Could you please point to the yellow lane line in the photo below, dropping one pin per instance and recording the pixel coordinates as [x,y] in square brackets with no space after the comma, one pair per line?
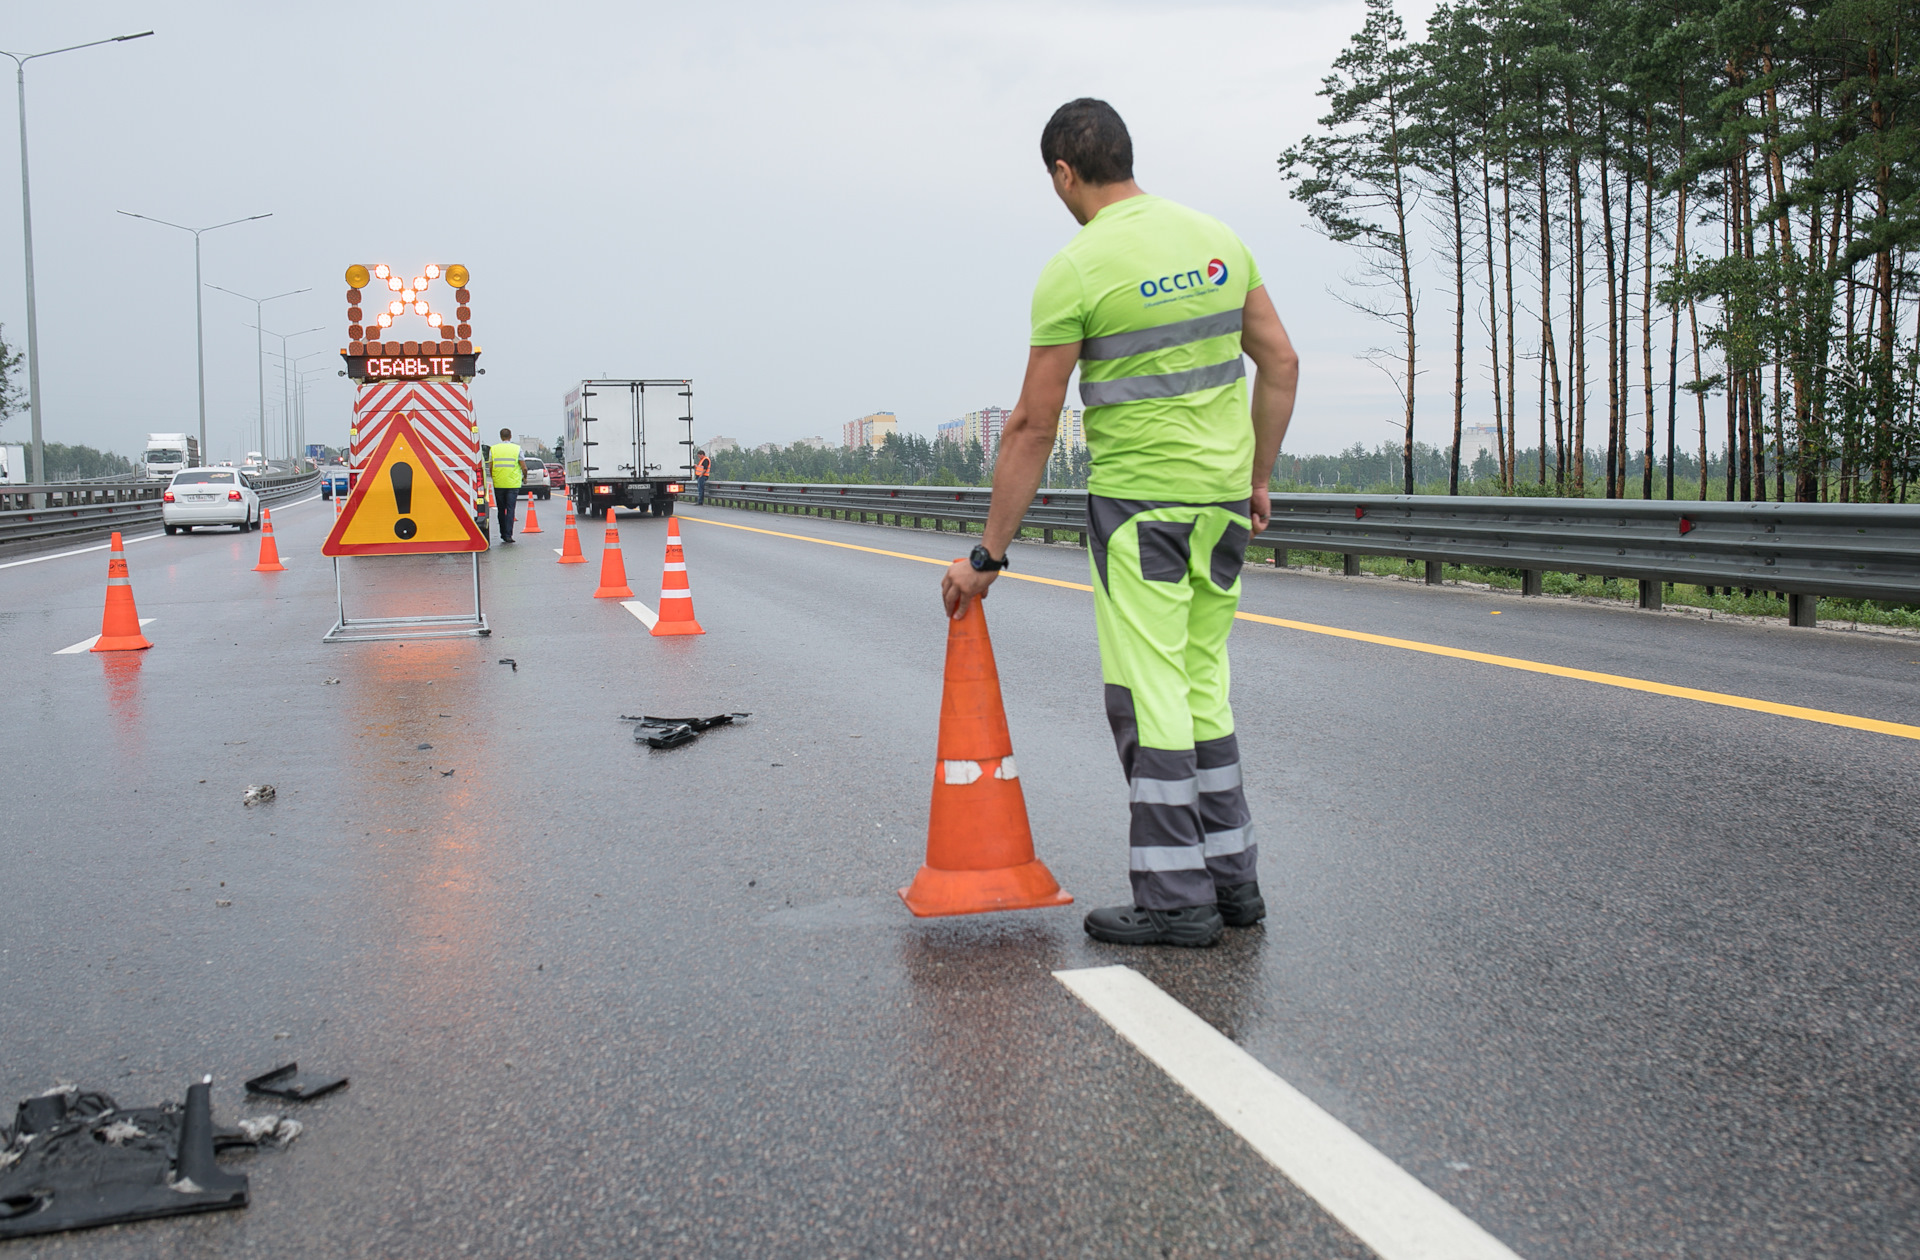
[1721,698]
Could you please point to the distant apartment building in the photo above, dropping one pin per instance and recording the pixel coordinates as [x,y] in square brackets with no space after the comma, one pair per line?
[869,430]
[1071,436]
[985,425]
[714,445]
[817,443]
[1475,438]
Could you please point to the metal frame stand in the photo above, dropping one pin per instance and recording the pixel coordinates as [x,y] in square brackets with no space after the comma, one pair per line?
[450,625]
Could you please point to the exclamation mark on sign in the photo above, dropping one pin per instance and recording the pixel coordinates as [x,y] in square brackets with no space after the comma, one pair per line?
[402,475]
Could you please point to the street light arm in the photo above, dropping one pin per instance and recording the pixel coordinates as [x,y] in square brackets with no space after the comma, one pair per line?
[23,58]
[162,222]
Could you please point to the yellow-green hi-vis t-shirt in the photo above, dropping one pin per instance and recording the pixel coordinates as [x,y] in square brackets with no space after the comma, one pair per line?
[1154,292]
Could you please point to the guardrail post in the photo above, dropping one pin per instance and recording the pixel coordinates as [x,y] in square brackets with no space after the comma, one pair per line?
[1046,535]
[1351,567]
[1652,593]
[1433,573]
[1803,610]
[1530,582]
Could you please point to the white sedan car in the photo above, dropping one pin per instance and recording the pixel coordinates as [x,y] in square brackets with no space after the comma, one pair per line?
[209,496]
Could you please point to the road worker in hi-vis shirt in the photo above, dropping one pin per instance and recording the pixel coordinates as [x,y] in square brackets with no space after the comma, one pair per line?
[1155,304]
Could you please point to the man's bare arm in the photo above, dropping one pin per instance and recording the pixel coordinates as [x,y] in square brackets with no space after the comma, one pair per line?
[1026,444]
[1277,375]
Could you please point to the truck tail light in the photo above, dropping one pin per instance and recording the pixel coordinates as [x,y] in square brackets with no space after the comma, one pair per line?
[167,497]
[603,489]
[233,496]
[674,487]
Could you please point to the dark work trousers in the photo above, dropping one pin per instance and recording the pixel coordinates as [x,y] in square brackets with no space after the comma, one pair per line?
[508,502]
[701,486]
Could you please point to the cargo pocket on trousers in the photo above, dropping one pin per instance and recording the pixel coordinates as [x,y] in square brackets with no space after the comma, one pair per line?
[1165,548]
[1229,554]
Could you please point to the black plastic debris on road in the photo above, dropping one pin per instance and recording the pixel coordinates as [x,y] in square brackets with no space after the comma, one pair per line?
[288,1081]
[508,660]
[664,732]
[75,1159]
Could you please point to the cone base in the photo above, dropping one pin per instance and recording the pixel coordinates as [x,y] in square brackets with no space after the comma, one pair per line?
[532,529]
[275,567]
[616,592]
[676,627]
[1028,886]
[121,643]
[573,559]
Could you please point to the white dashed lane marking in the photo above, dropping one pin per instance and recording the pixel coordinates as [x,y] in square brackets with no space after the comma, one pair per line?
[641,611]
[1384,1205]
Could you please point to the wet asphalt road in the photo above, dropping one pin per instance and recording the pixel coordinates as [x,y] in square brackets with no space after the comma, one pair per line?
[1616,974]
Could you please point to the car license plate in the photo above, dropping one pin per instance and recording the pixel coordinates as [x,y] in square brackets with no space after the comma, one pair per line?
[200,498]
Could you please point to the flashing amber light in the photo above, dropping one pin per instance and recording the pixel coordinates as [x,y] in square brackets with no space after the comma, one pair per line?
[383,271]
[433,271]
[433,319]
[457,276]
[420,308]
[419,284]
[395,284]
[386,321]
[396,308]
[357,277]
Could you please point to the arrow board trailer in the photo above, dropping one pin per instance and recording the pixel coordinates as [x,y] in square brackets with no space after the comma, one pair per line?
[613,460]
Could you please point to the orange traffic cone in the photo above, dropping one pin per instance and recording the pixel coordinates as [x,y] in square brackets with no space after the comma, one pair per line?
[613,569]
[979,847]
[570,541]
[269,550]
[676,597]
[120,623]
[533,522]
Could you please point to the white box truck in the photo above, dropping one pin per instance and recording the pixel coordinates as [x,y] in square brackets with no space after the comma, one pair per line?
[13,465]
[168,453]
[609,461]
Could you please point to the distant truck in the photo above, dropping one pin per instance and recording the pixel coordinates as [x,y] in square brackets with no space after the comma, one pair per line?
[13,465]
[168,453]
[610,464]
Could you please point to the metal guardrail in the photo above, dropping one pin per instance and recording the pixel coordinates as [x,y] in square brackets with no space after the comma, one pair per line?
[75,509]
[1803,550]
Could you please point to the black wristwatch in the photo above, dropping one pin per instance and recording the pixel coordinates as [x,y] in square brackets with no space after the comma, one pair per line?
[982,560]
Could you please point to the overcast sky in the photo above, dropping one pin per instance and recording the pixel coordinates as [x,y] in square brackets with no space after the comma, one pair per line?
[813,210]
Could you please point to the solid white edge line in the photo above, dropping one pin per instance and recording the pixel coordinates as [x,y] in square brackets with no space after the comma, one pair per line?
[641,611]
[86,644]
[125,542]
[1384,1206]
[81,551]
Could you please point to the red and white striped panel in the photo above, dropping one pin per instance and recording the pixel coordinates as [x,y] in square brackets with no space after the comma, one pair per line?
[441,413]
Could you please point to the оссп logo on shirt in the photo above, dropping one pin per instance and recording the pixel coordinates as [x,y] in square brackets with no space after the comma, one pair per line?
[1216,274]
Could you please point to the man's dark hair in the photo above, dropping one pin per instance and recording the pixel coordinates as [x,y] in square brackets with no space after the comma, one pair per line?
[1088,136]
[506,434]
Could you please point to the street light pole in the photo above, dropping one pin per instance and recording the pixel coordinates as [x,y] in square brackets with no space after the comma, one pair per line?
[260,349]
[20,61]
[199,323]
[300,398]
[286,389]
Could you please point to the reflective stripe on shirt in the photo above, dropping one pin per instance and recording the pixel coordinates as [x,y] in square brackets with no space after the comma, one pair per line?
[1165,337]
[1167,385]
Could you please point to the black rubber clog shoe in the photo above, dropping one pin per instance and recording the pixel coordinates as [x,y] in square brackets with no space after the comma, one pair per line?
[1195,926]
[1241,905]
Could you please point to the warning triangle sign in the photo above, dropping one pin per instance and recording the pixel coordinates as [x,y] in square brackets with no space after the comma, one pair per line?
[402,505]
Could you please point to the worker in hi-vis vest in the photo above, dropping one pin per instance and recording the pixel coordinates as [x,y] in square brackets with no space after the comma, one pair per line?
[1155,304]
[702,469]
[504,470]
